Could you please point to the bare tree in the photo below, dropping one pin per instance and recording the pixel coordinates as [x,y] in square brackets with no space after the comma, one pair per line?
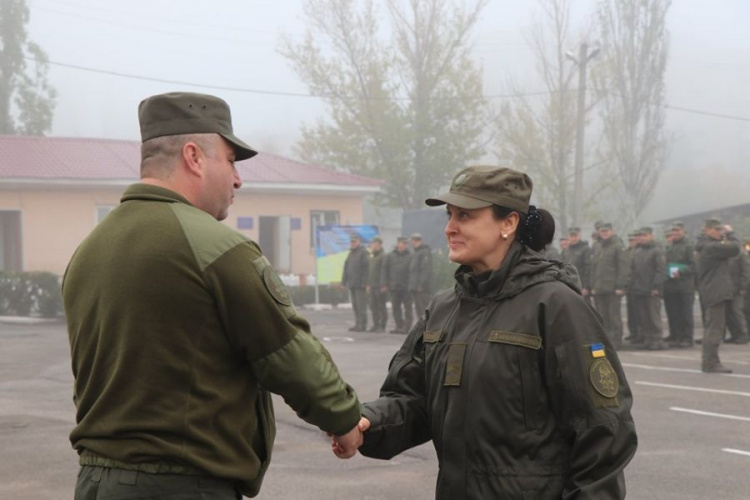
[407,107]
[630,84]
[537,134]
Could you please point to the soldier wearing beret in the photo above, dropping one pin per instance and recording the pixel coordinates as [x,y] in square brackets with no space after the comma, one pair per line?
[714,252]
[179,327]
[509,373]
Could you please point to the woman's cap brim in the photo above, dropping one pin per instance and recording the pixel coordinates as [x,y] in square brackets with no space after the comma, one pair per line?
[458,200]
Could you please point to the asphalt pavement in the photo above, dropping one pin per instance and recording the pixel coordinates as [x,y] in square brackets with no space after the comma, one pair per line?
[694,428]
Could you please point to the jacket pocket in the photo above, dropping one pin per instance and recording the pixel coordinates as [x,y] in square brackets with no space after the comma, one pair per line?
[525,355]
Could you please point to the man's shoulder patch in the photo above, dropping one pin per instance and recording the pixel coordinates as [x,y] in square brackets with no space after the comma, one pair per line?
[276,287]
[604,378]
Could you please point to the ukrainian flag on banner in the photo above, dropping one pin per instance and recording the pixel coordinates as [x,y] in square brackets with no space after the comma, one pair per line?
[332,247]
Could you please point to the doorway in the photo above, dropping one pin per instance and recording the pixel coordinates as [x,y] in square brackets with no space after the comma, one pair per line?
[275,239]
[10,241]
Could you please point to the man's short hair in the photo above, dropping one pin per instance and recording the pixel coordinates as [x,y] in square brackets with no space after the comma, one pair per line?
[158,155]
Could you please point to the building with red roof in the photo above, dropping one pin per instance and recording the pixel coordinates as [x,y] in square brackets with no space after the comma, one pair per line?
[54,190]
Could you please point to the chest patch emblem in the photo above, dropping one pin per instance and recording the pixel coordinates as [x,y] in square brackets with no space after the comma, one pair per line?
[604,378]
[276,287]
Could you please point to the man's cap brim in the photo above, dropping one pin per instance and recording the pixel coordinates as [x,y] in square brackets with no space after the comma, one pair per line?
[458,200]
[242,151]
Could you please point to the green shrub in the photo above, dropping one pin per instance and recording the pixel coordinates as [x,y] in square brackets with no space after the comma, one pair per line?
[22,294]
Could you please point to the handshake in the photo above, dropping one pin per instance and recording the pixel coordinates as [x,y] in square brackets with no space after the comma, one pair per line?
[346,446]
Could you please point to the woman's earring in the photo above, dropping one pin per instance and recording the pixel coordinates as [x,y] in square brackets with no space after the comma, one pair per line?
[505,236]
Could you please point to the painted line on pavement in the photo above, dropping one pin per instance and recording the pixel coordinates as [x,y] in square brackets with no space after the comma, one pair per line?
[737,452]
[693,388]
[666,356]
[337,339]
[710,414]
[682,370]
[685,358]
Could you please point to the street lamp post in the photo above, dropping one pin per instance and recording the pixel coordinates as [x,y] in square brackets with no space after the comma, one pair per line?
[582,61]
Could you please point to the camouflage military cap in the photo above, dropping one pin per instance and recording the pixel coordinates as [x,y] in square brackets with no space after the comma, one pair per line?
[679,224]
[402,239]
[355,237]
[598,224]
[377,239]
[713,223]
[179,113]
[483,186]
[639,232]
[415,236]
[647,230]
[605,225]
[632,235]
[574,230]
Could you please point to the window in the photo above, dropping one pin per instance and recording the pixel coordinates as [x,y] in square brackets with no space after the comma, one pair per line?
[321,218]
[102,211]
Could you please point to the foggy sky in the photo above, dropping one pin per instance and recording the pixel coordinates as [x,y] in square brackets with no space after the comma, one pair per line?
[232,43]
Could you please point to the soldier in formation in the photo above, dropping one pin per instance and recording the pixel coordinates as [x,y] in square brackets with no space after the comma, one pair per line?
[395,280]
[356,274]
[609,277]
[679,287]
[420,274]
[375,286]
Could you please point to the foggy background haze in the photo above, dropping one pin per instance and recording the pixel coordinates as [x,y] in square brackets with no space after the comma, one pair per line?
[228,44]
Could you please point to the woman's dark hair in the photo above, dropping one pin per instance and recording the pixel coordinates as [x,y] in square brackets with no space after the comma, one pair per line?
[536,229]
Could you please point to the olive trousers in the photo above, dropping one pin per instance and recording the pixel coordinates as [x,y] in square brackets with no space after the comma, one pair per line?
[713,333]
[120,484]
[609,306]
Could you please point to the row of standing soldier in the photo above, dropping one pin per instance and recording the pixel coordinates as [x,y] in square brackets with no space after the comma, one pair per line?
[405,276]
[646,273]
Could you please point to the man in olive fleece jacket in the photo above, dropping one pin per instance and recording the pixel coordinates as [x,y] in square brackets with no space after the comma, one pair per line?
[179,328]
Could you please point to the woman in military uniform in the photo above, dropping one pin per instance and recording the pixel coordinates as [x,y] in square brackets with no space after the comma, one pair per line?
[510,374]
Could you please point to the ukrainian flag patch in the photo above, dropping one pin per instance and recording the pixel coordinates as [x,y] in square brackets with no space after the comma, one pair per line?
[597,350]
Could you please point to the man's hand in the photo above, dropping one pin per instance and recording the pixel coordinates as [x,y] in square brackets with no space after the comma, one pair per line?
[346,446]
[619,292]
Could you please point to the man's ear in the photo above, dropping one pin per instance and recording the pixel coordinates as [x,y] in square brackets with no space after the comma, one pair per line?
[193,158]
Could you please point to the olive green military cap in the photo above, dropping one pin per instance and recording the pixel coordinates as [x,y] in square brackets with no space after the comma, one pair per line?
[713,223]
[605,225]
[402,239]
[415,236]
[678,223]
[574,230]
[377,239]
[639,232]
[179,113]
[484,186]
